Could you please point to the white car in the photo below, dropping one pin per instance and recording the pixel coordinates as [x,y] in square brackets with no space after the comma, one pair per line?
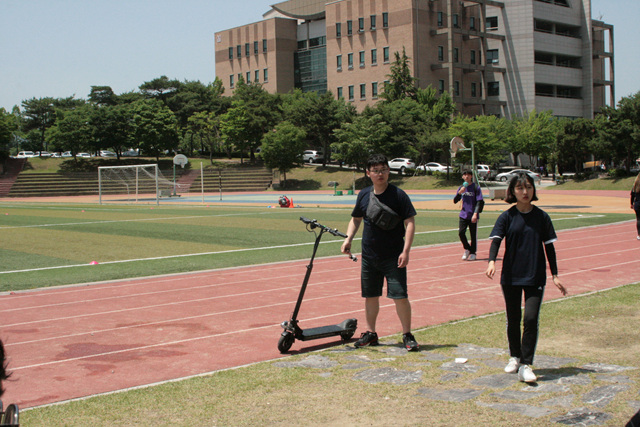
[107,153]
[84,155]
[506,176]
[67,154]
[485,173]
[25,154]
[436,167]
[312,156]
[401,164]
[131,153]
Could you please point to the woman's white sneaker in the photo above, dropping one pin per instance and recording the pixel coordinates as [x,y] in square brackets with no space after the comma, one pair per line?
[512,366]
[526,375]
[465,255]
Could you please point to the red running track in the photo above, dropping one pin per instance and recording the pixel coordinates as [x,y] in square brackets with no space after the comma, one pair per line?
[71,342]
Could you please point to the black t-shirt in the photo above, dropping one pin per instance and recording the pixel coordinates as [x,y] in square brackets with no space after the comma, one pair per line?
[379,244]
[526,234]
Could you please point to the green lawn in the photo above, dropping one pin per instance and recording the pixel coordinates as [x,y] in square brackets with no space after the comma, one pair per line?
[54,244]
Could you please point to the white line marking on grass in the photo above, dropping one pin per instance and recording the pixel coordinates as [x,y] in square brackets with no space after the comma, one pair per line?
[236,250]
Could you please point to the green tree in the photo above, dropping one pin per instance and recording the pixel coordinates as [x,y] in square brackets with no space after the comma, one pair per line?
[317,114]
[234,127]
[38,115]
[263,112]
[357,140]
[207,127]
[72,131]
[401,83]
[112,127]
[623,128]
[154,127]
[282,148]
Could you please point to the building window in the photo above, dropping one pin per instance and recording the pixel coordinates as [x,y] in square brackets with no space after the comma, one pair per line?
[265,75]
[256,75]
[247,49]
[492,22]
[472,22]
[456,20]
[340,92]
[230,53]
[374,56]
[339,62]
[351,95]
[350,60]
[361,58]
[473,57]
[441,53]
[385,19]
[349,28]
[239,51]
[264,45]
[255,48]
[493,56]
[374,90]
[231,83]
[363,91]
[248,76]
[338,29]
[473,90]
[440,87]
[239,76]
[440,19]
[361,25]
[493,89]
[455,54]
[385,55]
[372,19]
[456,88]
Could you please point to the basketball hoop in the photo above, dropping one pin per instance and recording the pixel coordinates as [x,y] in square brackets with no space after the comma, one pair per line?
[456,144]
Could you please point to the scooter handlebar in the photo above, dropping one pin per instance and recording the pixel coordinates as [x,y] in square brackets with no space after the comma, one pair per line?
[312,223]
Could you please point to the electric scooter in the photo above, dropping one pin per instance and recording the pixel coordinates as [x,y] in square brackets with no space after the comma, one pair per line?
[292,331]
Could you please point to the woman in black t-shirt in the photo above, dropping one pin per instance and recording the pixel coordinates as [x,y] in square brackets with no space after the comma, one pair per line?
[529,234]
[635,202]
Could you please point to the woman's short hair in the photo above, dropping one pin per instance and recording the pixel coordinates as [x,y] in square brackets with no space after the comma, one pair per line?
[521,179]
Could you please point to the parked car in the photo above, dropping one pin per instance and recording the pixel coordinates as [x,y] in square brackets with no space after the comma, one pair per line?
[67,154]
[435,167]
[84,155]
[485,173]
[312,156]
[506,176]
[43,154]
[25,154]
[131,153]
[107,153]
[401,164]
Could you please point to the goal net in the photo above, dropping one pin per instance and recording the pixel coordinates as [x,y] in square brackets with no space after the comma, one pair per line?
[135,183]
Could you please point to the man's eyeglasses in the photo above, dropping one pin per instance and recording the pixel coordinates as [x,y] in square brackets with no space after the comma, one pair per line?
[378,171]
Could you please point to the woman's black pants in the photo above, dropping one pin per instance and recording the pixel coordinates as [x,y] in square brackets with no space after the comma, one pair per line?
[523,345]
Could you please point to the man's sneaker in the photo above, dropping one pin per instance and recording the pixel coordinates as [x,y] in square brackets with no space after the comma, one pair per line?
[410,342]
[512,366]
[367,338]
[525,374]
[465,255]
[472,257]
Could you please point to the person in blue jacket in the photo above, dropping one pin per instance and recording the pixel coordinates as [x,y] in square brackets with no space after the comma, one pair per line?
[472,203]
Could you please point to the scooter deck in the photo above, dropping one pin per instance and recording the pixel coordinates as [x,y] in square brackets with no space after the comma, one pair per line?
[324,331]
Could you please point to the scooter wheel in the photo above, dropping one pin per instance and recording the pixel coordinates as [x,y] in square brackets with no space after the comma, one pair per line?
[285,342]
[346,336]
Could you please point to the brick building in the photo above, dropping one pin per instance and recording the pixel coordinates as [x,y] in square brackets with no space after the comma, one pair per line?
[504,58]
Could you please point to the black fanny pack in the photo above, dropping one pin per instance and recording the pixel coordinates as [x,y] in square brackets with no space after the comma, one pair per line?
[381,215]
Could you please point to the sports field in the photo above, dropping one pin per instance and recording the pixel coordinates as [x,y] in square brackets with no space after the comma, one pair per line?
[49,244]
[82,331]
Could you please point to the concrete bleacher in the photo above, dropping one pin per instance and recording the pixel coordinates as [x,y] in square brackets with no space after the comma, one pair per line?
[86,183]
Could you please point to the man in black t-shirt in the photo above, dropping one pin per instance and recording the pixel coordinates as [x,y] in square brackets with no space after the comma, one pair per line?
[385,252]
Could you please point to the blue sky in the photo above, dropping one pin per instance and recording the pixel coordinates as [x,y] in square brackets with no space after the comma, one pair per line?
[60,48]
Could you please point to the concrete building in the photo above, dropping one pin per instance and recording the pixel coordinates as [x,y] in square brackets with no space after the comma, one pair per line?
[504,58]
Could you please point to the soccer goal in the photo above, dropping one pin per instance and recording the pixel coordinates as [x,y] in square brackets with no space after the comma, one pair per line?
[134,183]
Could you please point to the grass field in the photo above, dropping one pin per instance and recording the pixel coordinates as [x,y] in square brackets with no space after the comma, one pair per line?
[54,244]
